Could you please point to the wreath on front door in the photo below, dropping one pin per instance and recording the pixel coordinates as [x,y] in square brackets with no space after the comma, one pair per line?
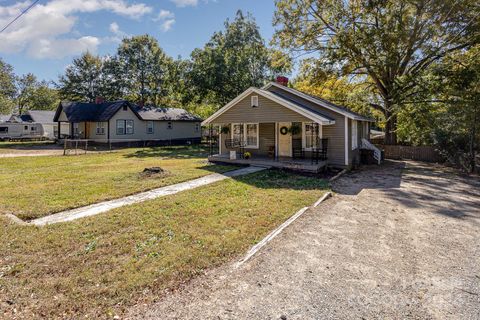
[283,130]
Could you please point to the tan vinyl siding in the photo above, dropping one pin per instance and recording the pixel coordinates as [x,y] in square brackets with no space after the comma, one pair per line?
[267,111]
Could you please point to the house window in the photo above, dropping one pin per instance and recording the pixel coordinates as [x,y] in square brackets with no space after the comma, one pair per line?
[197,127]
[129,126]
[237,131]
[169,125]
[251,134]
[247,132]
[3,129]
[150,127]
[124,127]
[311,134]
[125,108]
[100,128]
[354,135]
[75,128]
[33,128]
[254,101]
[120,127]
[25,128]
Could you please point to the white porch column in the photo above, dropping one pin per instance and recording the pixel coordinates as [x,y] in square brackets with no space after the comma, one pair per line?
[346,141]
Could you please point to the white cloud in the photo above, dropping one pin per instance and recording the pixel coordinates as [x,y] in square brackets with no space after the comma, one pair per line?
[167,25]
[185,3]
[164,14]
[167,19]
[114,28]
[47,30]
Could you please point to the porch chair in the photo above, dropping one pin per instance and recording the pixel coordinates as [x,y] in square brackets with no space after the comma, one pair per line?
[319,153]
[298,152]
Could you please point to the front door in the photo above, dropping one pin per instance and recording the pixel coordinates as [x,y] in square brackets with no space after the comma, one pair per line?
[284,140]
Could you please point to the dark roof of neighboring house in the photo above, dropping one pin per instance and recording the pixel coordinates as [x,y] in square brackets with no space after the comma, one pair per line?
[41,116]
[85,112]
[301,105]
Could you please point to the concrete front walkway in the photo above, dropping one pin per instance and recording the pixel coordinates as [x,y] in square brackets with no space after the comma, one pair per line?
[101,207]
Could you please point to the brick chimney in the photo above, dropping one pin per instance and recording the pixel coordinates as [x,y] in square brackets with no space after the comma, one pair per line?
[282,80]
[99,100]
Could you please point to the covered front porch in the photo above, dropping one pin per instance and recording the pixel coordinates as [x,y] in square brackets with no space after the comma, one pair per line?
[288,163]
[287,145]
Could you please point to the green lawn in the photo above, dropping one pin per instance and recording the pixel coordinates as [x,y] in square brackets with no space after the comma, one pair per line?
[32,187]
[97,267]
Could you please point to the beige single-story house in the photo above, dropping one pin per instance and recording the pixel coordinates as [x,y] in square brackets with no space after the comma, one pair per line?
[122,122]
[284,127]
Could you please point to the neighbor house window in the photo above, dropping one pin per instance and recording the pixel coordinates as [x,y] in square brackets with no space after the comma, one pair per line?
[124,127]
[149,127]
[100,128]
[247,132]
[169,125]
[3,129]
[33,128]
[120,127]
[25,128]
[254,101]
[354,135]
[75,128]
[129,126]
[311,133]
[197,127]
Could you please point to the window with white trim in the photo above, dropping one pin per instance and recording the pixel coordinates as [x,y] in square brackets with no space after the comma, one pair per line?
[246,132]
[254,101]
[237,131]
[354,135]
[251,135]
[124,127]
[149,127]
[129,126]
[311,132]
[100,128]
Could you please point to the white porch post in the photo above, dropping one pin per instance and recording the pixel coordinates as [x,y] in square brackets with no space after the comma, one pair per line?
[276,140]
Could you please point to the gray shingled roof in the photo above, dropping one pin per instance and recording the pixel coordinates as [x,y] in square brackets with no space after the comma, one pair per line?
[42,116]
[165,114]
[300,105]
[84,112]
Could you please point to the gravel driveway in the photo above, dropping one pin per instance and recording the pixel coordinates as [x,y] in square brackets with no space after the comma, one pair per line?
[400,241]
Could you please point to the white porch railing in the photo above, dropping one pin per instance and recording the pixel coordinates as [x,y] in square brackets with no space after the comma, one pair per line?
[377,154]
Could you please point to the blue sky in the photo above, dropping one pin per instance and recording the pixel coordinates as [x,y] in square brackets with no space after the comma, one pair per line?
[46,39]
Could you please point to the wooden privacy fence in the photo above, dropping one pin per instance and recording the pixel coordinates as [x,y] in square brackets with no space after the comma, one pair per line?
[421,153]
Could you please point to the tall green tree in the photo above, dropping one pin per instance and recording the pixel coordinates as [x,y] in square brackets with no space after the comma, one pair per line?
[145,68]
[233,60]
[7,87]
[390,42]
[457,89]
[83,79]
